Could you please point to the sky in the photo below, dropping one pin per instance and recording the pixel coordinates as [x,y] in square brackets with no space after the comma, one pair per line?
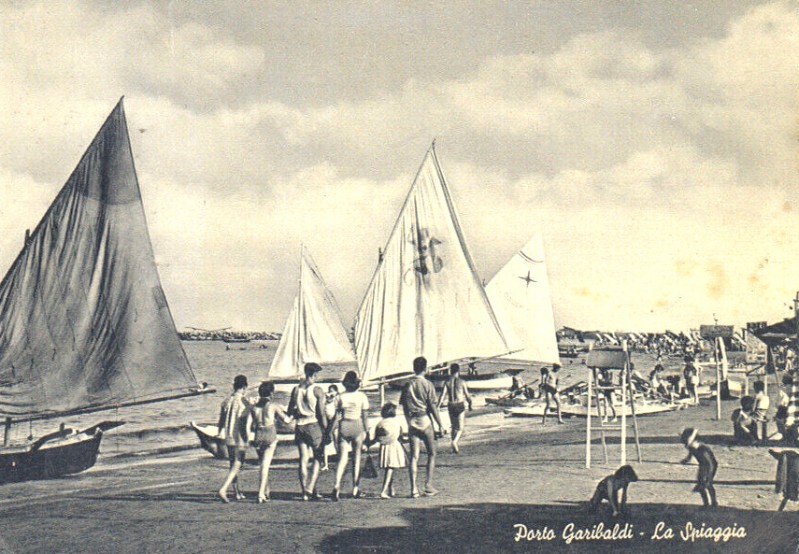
[653,143]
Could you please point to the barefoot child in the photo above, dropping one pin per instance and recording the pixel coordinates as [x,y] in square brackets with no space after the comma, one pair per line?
[707,465]
[331,402]
[609,487]
[265,433]
[392,454]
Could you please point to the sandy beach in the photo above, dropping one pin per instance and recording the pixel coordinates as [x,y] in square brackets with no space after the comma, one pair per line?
[510,473]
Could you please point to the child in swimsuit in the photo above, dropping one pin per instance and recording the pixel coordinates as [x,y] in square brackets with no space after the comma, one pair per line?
[265,433]
[707,465]
[330,412]
[609,487]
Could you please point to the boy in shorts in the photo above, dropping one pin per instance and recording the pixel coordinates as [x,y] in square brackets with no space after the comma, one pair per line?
[418,401]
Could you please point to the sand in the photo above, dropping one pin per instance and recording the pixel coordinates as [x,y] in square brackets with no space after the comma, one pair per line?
[508,472]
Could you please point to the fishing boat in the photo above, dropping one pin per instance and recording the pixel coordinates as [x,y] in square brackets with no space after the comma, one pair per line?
[578,410]
[84,322]
[424,298]
[314,331]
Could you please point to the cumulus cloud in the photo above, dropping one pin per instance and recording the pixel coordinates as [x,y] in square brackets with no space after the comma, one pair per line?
[664,176]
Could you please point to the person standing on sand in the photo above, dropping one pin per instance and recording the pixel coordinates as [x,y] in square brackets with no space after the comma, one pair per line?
[457,394]
[550,388]
[307,406]
[707,465]
[392,454]
[418,400]
[351,415]
[233,418]
[264,429]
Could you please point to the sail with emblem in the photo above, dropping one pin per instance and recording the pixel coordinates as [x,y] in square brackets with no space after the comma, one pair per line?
[425,298]
[84,323]
[313,331]
[520,296]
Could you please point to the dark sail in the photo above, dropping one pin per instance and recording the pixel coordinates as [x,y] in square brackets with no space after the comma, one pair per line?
[83,319]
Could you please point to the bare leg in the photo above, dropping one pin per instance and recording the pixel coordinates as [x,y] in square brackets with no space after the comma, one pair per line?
[341,467]
[266,463]
[235,466]
[546,409]
[456,438]
[712,490]
[386,492]
[315,465]
[413,466]
[305,454]
[356,467]
[430,446]
[705,500]
[557,405]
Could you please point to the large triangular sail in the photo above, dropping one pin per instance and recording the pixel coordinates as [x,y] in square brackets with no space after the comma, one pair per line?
[520,296]
[425,298]
[83,318]
[314,331]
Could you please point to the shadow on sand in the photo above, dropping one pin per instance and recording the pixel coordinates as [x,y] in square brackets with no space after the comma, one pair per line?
[488,527]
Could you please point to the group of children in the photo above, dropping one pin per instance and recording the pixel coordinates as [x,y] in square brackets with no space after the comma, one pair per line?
[610,487]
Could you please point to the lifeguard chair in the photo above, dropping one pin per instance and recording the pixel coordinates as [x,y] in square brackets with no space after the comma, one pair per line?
[616,361]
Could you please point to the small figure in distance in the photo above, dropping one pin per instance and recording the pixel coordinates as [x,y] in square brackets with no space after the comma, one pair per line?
[609,487]
[549,387]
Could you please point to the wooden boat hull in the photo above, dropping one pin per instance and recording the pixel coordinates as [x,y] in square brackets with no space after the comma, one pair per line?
[488,380]
[211,442]
[54,456]
[576,410]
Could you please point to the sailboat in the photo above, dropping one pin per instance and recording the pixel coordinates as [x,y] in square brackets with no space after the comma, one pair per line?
[84,322]
[314,331]
[425,298]
[520,296]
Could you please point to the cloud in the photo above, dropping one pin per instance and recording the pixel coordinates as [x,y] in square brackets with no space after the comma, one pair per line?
[663,175]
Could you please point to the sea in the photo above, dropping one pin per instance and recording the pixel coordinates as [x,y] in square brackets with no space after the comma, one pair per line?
[164,427]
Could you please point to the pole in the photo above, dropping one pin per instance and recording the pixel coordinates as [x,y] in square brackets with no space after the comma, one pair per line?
[624,405]
[382,388]
[588,421]
[718,378]
[7,433]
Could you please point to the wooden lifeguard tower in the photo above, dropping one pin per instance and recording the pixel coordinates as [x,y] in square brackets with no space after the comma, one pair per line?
[615,361]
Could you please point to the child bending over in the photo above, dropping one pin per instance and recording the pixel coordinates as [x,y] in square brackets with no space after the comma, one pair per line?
[609,487]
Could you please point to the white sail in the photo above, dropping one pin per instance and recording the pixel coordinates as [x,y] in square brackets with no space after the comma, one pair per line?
[519,294]
[313,332]
[424,298]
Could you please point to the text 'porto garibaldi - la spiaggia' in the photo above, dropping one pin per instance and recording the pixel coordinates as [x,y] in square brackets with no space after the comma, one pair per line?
[690,532]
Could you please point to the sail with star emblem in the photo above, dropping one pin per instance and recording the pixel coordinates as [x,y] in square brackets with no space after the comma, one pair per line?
[519,294]
[424,298]
[313,332]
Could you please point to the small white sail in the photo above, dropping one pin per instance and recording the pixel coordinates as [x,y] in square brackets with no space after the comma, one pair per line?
[519,294]
[313,332]
[424,298]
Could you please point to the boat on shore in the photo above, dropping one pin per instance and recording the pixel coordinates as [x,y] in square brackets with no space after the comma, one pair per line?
[425,298]
[232,340]
[314,331]
[84,322]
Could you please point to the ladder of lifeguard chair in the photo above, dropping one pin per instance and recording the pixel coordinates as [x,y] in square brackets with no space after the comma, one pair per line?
[627,393]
